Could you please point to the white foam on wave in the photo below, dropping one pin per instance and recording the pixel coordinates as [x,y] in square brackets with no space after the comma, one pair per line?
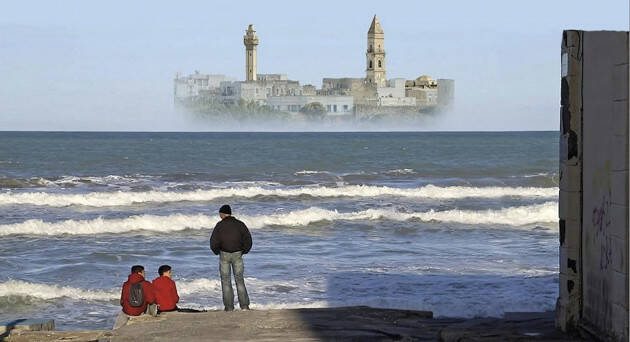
[205,285]
[469,302]
[512,216]
[121,198]
[21,288]
[309,172]
[266,306]
[98,180]
[401,172]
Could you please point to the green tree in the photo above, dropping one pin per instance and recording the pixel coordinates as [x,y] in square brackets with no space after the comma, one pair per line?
[314,110]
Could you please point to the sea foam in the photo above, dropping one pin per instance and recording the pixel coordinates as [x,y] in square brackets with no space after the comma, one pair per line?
[511,216]
[19,288]
[25,289]
[121,198]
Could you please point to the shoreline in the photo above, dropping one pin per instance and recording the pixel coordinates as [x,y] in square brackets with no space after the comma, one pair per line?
[356,323]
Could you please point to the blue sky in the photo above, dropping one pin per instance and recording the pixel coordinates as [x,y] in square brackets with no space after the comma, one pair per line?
[82,65]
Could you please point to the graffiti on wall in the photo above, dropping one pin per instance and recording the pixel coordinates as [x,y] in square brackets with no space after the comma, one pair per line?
[601,218]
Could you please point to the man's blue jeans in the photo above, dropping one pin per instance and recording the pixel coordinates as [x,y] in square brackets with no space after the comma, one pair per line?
[227,263]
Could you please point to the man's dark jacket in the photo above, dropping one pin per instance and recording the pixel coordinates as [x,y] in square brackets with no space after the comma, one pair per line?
[230,235]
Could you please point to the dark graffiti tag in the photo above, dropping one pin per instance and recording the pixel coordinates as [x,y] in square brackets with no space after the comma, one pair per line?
[606,253]
[601,220]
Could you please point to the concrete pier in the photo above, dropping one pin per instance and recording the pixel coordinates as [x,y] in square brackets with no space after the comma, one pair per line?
[18,325]
[358,323]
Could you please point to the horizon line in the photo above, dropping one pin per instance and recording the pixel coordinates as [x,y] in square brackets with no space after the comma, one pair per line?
[297,131]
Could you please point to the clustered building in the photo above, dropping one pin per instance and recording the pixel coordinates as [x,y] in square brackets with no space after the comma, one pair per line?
[339,96]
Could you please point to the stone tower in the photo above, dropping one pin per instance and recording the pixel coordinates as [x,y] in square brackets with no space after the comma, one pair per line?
[251,42]
[375,71]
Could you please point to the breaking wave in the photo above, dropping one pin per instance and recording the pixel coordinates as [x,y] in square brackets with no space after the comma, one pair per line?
[401,172]
[512,216]
[19,288]
[120,198]
[23,289]
[195,293]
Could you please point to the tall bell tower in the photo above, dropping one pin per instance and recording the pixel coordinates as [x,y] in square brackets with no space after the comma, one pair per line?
[375,71]
[251,42]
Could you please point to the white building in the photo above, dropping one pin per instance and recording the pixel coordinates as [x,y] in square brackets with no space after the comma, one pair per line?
[186,87]
[394,94]
[258,91]
[335,105]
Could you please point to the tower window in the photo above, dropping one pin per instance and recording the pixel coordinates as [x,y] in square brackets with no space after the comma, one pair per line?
[379,63]
[370,64]
[370,48]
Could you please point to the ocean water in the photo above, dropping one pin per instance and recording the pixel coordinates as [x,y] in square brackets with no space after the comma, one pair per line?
[462,224]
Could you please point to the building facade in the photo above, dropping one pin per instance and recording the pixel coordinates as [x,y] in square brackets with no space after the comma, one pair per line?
[335,105]
[196,85]
[340,96]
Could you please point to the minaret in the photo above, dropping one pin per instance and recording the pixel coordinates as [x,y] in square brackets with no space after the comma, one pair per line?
[375,71]
[251,42]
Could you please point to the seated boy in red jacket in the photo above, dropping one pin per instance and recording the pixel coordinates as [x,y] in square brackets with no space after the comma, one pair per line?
[136,299]
[165,290]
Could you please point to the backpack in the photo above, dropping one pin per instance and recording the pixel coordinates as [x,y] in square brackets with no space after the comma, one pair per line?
[136,295]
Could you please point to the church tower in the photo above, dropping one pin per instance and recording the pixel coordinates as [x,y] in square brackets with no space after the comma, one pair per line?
[251,42]
[375,71]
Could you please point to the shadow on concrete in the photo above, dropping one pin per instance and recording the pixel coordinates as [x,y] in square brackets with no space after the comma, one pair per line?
[450,295]
[390,307]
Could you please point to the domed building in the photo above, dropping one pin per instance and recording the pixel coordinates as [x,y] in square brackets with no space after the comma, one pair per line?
[426,81]
[424,89]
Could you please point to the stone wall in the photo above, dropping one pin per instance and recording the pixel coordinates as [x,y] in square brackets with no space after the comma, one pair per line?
[593,199]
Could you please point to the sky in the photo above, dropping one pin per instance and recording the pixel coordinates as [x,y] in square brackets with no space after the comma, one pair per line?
[109,65]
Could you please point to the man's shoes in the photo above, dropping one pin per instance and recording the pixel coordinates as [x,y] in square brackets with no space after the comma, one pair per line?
[246,307]
[228,309]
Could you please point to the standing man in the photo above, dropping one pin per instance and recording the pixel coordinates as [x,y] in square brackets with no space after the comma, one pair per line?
[231,239]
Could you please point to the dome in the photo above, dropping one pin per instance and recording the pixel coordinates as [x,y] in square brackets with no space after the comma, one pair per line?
[424,78]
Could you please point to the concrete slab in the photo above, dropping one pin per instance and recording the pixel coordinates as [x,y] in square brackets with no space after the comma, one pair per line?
[516,326]
[35,324]
[359,323]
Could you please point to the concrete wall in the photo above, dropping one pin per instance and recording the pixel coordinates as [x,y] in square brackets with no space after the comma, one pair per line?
[272,77]
[396,101]
[395,88]
[424,96]
[594,184]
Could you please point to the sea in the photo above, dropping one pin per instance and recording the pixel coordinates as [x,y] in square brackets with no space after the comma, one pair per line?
[463,224]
